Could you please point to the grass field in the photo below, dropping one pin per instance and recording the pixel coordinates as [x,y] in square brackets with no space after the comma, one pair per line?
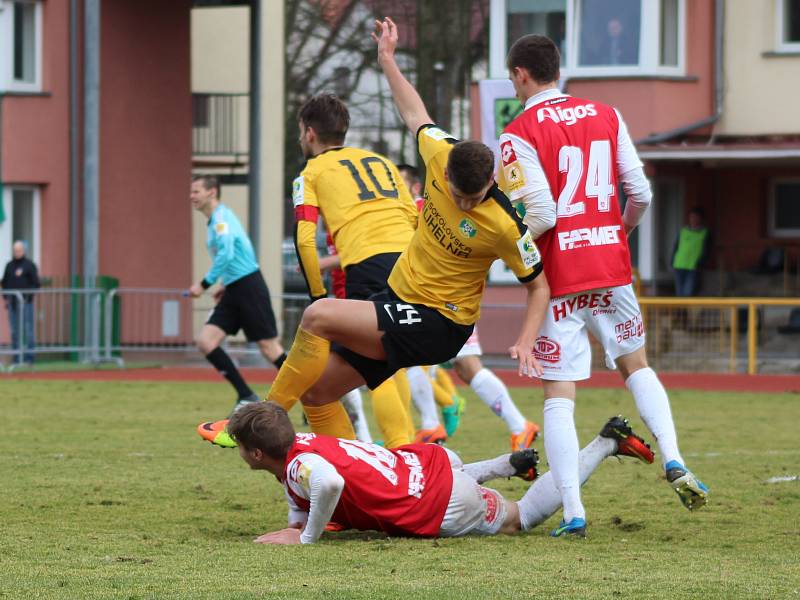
[109,493]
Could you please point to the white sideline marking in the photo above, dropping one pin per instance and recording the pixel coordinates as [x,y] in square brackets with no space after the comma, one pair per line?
[782,478]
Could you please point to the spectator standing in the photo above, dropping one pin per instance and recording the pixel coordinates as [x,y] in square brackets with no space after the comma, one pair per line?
[691,250]
[21,274]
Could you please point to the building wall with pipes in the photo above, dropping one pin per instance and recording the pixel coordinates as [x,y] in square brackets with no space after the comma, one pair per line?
[761,83]
[145,142]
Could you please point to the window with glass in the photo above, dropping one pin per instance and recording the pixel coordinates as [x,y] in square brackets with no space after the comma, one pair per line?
[19,220]
[784,208]
[606,37]
[788,25]
[20,45]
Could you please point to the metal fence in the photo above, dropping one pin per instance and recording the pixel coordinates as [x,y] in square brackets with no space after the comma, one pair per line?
[66,321]
[753,335]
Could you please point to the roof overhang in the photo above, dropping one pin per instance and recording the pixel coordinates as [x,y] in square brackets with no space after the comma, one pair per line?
[718,153]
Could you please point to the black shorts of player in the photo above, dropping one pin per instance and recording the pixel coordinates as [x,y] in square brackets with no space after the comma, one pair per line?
[369,276]
[246,305]
[414,334]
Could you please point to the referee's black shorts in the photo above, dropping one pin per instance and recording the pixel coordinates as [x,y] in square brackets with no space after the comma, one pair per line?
[246,305]
[369,277]
[414,334]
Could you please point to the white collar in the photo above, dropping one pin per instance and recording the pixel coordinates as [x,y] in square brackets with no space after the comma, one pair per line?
[547,94]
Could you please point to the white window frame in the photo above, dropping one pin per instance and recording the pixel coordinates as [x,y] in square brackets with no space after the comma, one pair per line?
[774,231]
[782,45]
[649,52]
[6,227]
[7,81]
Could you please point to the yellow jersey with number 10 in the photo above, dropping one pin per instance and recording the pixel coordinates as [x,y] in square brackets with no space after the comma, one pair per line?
[448,259]
[362,198]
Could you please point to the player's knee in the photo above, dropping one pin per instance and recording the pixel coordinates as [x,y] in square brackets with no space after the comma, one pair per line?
[317,316]
[315,397]
[205,345]
[467,367]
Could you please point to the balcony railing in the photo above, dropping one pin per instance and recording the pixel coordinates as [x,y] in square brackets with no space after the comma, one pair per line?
[220,124]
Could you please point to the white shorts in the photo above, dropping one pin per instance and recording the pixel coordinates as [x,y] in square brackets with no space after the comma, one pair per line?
[472,509]
[472,347]
[611,315]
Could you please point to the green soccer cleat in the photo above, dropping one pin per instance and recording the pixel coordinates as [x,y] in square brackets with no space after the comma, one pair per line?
[215,433]
[451,415]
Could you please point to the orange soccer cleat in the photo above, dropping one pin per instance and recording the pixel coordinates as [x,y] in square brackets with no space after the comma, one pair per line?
[520,441]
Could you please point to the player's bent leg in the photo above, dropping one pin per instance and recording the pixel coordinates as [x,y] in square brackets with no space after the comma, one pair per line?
[208,342]
[350,323]
[390,414]
[422,396]
[653,405]
[325,413]
[273,351]
[304,365]
[403,386]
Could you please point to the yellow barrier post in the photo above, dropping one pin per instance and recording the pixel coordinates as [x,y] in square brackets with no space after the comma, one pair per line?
[734,338]
[751,338]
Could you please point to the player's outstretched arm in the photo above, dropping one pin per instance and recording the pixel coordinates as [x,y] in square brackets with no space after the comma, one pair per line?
[409,104]
[536,304]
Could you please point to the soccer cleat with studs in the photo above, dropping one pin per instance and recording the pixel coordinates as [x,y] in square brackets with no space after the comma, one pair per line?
[215,433]
[525,463]
[575,528]
[437,435]
[692,492]
[522,440]
[628,443]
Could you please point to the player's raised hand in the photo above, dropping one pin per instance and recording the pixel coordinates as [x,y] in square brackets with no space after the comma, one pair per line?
[287,536]
[385,35]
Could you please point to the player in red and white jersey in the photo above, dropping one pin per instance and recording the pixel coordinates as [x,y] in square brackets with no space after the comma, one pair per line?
[414,490]
[562,161]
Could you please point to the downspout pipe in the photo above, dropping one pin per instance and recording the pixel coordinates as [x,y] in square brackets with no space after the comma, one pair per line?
[254,159]
[74,176]
[719,25]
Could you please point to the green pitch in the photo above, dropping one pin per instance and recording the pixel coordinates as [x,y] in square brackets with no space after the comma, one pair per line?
[109,493]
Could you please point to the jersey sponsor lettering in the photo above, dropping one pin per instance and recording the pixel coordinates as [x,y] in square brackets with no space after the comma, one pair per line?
[446,237]
[588,236]
[416,476]
[547,350]
[599,303]
[569,115]
[632,328]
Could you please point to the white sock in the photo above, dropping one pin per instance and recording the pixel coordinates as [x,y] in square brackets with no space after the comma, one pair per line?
[543,499]
[495,395]
[422,395]
[653,406]
[561,445]
[490,469]
[354,406]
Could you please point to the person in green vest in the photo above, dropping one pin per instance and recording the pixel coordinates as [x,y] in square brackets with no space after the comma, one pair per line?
[691,250]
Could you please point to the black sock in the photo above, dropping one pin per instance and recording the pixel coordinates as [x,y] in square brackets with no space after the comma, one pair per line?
[278,362]
[223,363]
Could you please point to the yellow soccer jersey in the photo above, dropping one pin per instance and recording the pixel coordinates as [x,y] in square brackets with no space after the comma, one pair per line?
[446,264]
[365,204]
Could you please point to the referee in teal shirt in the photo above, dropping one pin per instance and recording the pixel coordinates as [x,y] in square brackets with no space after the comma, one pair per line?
[243,301]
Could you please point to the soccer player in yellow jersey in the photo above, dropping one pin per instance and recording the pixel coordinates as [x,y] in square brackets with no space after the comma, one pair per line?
[370,216]
[434,291]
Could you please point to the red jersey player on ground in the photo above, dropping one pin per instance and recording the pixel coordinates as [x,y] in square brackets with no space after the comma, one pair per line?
[419,490]
[562,160]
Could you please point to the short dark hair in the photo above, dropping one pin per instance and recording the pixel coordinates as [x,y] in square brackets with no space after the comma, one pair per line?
[209,182]
[538,55]
[470,166]
[698,210]
[412,171]
[262,425]
[329,117]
